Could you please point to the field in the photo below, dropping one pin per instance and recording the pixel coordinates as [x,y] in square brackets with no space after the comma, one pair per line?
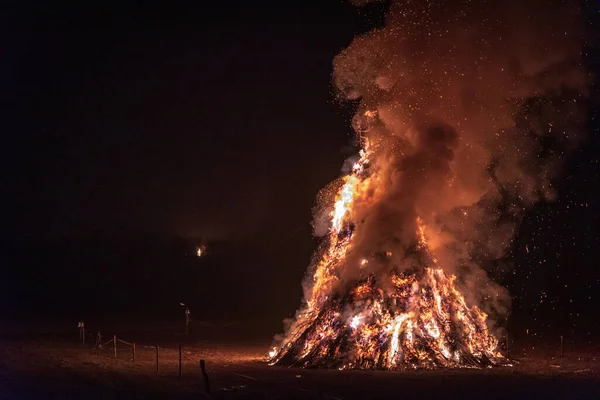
[54,366]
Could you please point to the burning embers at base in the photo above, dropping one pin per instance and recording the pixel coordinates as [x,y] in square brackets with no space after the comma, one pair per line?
[422,321]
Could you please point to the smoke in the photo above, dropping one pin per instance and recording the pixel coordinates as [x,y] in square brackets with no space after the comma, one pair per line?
[469,109]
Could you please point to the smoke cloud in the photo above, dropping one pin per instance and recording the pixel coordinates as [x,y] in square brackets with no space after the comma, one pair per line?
[469,109]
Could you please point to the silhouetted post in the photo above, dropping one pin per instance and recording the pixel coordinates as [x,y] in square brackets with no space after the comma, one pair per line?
[506,340]
[81,327]
[562,348]
[156,359]
[115,344]
[179,362]
[187,317]
[133,351]
[187,320]
[205,375]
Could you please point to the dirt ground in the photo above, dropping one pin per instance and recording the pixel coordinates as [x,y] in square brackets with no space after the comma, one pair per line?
[56,368]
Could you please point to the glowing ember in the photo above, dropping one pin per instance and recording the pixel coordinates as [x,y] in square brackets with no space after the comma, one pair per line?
[273,352]
[355,322]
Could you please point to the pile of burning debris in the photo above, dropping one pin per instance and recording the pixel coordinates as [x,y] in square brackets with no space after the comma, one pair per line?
[415,319]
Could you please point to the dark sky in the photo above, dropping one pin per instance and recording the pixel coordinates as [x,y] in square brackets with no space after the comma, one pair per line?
[218,120]
[200,120]
[211,120]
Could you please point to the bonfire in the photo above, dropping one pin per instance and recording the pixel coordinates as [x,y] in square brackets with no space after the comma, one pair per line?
[462,127]
[399,317]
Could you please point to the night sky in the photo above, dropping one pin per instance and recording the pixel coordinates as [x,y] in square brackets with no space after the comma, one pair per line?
[131,133]
[188,120]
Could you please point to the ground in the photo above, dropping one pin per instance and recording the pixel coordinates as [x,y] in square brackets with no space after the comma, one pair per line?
[52,367]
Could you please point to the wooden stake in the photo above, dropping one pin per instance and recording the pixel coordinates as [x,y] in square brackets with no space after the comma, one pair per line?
[156,359]
[115,344]
[133,351]
[179,362]
[205,375]
[562,348]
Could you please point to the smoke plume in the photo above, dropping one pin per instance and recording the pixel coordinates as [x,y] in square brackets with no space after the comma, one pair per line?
[469,109]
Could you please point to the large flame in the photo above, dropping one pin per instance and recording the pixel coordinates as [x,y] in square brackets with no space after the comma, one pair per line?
[400,317]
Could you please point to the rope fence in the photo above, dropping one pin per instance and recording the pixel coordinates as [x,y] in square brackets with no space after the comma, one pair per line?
[558,346]
[100,345]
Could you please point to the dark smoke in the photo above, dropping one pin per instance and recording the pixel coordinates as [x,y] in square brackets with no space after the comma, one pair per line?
[470,108]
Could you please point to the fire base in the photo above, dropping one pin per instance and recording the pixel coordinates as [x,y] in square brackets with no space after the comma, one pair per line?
[402,320]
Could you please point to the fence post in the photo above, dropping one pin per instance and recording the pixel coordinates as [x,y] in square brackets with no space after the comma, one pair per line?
[562,348]
[179,362]
[156,359]
[205,375]
[133,351]
[81,327]
[115,344]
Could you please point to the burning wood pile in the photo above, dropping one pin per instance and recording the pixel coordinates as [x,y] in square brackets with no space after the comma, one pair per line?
[392,318]
[452,119]
[397,319]
[422,323]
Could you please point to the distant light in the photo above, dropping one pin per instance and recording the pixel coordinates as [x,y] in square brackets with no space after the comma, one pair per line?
[200,251]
